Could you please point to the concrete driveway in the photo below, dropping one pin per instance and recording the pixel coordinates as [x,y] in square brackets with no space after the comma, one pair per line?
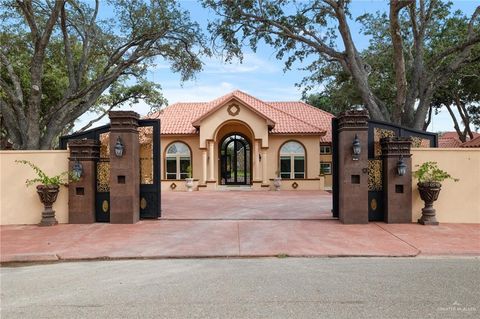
[236,224]
[251,205]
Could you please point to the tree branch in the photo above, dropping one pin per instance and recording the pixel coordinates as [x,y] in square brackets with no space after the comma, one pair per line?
[472,38]
[68,52]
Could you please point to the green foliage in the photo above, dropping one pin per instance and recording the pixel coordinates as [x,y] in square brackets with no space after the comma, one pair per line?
[330,101]
[96,58]
[312,35]
[429,172]
[189,171]
[44,179]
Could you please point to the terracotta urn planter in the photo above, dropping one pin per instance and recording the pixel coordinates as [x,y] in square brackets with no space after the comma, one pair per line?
[48,196]
[429,193]
[277,183]
[189,184]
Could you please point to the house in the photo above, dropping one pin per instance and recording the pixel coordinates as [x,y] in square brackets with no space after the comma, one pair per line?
[475,142]
[451,140]
[240,140]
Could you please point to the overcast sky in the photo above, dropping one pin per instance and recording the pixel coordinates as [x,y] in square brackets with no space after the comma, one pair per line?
[260,74]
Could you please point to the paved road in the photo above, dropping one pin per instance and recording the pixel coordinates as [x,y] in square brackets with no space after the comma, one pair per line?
[245,288]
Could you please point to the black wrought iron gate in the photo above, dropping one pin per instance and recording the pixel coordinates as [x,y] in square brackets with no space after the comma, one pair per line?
[376,130]
[150,195]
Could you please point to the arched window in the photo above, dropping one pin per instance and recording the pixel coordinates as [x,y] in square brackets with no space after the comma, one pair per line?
[292,160]
[178,161]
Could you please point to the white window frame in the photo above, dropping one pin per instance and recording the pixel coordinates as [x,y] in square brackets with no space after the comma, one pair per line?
[178,157]
[292,156]
[324,146]
[329,165]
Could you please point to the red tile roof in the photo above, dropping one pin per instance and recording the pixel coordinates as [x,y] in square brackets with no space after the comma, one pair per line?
[310,114]
[472,143]
[448,142]
[454,134]
[451,140]
[286,117]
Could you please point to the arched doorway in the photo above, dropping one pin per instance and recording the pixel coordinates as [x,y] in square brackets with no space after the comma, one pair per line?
[235,160]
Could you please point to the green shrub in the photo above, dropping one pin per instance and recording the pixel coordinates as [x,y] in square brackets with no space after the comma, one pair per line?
[429,172]
[44,179]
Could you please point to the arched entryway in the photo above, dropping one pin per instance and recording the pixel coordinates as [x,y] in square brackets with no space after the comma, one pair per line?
[235,160]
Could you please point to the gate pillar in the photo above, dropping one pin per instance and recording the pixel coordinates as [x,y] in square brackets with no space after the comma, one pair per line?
[124,167]
[397,189]
[81,194]
[352,168]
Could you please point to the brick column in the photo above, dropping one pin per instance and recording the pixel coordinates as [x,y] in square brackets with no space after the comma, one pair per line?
[125,169]
[81,194]
[397,190]
[353,174]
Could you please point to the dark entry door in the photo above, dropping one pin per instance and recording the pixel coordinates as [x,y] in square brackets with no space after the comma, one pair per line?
[150,196]
[235,160]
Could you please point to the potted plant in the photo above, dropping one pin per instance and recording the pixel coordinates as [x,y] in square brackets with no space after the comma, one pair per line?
[189,179]
[429,178]
[47,189]
[277,182]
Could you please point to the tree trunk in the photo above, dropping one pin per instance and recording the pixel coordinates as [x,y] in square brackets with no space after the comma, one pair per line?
[398,60]
[356,67]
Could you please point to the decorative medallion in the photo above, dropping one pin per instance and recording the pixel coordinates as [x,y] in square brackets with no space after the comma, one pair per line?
[373,204]
[233,110]
[173,186]
[294,185]
[143,203]
[105,206]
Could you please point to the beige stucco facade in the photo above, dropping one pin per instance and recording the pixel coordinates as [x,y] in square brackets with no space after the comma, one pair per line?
[20,204]
[237,117]
[459,202]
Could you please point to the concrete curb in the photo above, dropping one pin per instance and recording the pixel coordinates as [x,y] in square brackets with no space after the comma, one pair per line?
[41,258]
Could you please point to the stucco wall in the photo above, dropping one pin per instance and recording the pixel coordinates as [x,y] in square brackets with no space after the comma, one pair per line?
[327,158]
[19,204]
[459,202]
[211,124]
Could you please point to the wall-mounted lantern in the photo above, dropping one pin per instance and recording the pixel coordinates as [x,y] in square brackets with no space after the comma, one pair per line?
[356,148]
[401,167]
[77,169]
[259,157]
[119,147]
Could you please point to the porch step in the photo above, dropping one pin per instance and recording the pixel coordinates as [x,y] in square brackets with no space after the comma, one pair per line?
[234,188]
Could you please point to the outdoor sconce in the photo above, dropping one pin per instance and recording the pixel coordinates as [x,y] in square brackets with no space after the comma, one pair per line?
[77,169]
[356,148]
[401,167]
[259,157]
[119,147]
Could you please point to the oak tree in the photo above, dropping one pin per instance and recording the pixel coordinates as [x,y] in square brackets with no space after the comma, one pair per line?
[318,32]
[62,58]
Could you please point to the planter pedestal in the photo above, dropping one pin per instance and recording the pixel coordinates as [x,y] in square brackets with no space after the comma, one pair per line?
[189,184]
[48,196]
[277,183]
[429,193]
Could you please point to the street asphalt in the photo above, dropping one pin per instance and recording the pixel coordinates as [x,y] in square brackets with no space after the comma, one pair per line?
[245,288]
